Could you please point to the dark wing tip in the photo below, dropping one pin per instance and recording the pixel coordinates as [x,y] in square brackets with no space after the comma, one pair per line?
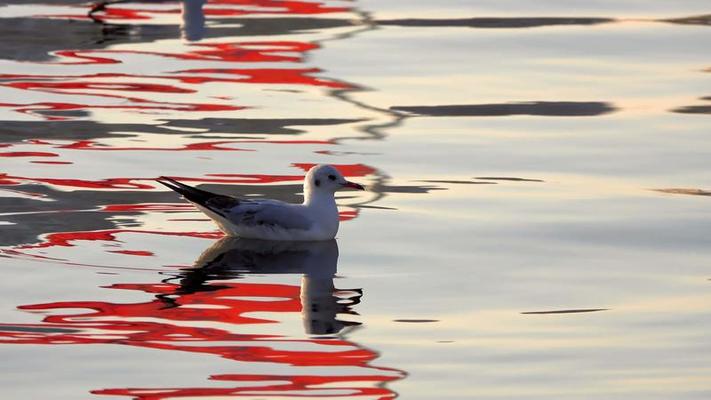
[167,182]
[212,201]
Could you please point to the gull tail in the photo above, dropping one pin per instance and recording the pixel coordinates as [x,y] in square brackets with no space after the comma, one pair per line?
[214,202]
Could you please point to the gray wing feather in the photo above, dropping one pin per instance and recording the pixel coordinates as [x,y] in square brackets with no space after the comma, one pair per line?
[269,213]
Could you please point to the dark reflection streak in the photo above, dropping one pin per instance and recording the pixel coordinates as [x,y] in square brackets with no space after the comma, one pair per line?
[506,178]
[416,321]
[378,207]
[693,20]
[704,109]
[407,189]
[494,22]
[16,131]
[37,329]
[694,192]
[456,182]
[582,310]
[538,108]
[530,22]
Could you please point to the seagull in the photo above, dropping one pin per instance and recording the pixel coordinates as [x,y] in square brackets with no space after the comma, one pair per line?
[315,219]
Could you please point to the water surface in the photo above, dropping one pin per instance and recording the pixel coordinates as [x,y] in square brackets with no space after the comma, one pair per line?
[536,224]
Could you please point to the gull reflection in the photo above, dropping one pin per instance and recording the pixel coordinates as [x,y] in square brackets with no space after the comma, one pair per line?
[321,302]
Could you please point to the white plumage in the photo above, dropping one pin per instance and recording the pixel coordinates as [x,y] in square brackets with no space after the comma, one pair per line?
[315,219]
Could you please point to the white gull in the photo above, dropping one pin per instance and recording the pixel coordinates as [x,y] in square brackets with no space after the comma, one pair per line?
[315,219]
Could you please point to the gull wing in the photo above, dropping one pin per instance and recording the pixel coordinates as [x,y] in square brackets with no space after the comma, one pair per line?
[268,213]
[242,212]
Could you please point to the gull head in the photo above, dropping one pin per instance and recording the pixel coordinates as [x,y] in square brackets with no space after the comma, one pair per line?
[326,179]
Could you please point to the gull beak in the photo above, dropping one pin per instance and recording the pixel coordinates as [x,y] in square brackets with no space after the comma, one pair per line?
[353,185]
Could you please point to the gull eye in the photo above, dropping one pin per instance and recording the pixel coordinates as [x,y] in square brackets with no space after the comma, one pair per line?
[332,177]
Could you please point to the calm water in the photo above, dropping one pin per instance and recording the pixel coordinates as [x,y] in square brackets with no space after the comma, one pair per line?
[537,224]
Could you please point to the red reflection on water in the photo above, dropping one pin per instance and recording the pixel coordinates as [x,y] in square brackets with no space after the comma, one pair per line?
[66,239]
[130,183]
[72,239]
[281,386]
[275,7]
[110,318]
[109,183]
[228,308]
[174,319]
[221,8]
[96,84]
[199,146]
[293,76]
[350,170]
[348,215]
[146,207]
[344,169]
[37,108]
[142,253]
[28,154]
[257,51]
[58,87]
[83,56]
[221,145]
